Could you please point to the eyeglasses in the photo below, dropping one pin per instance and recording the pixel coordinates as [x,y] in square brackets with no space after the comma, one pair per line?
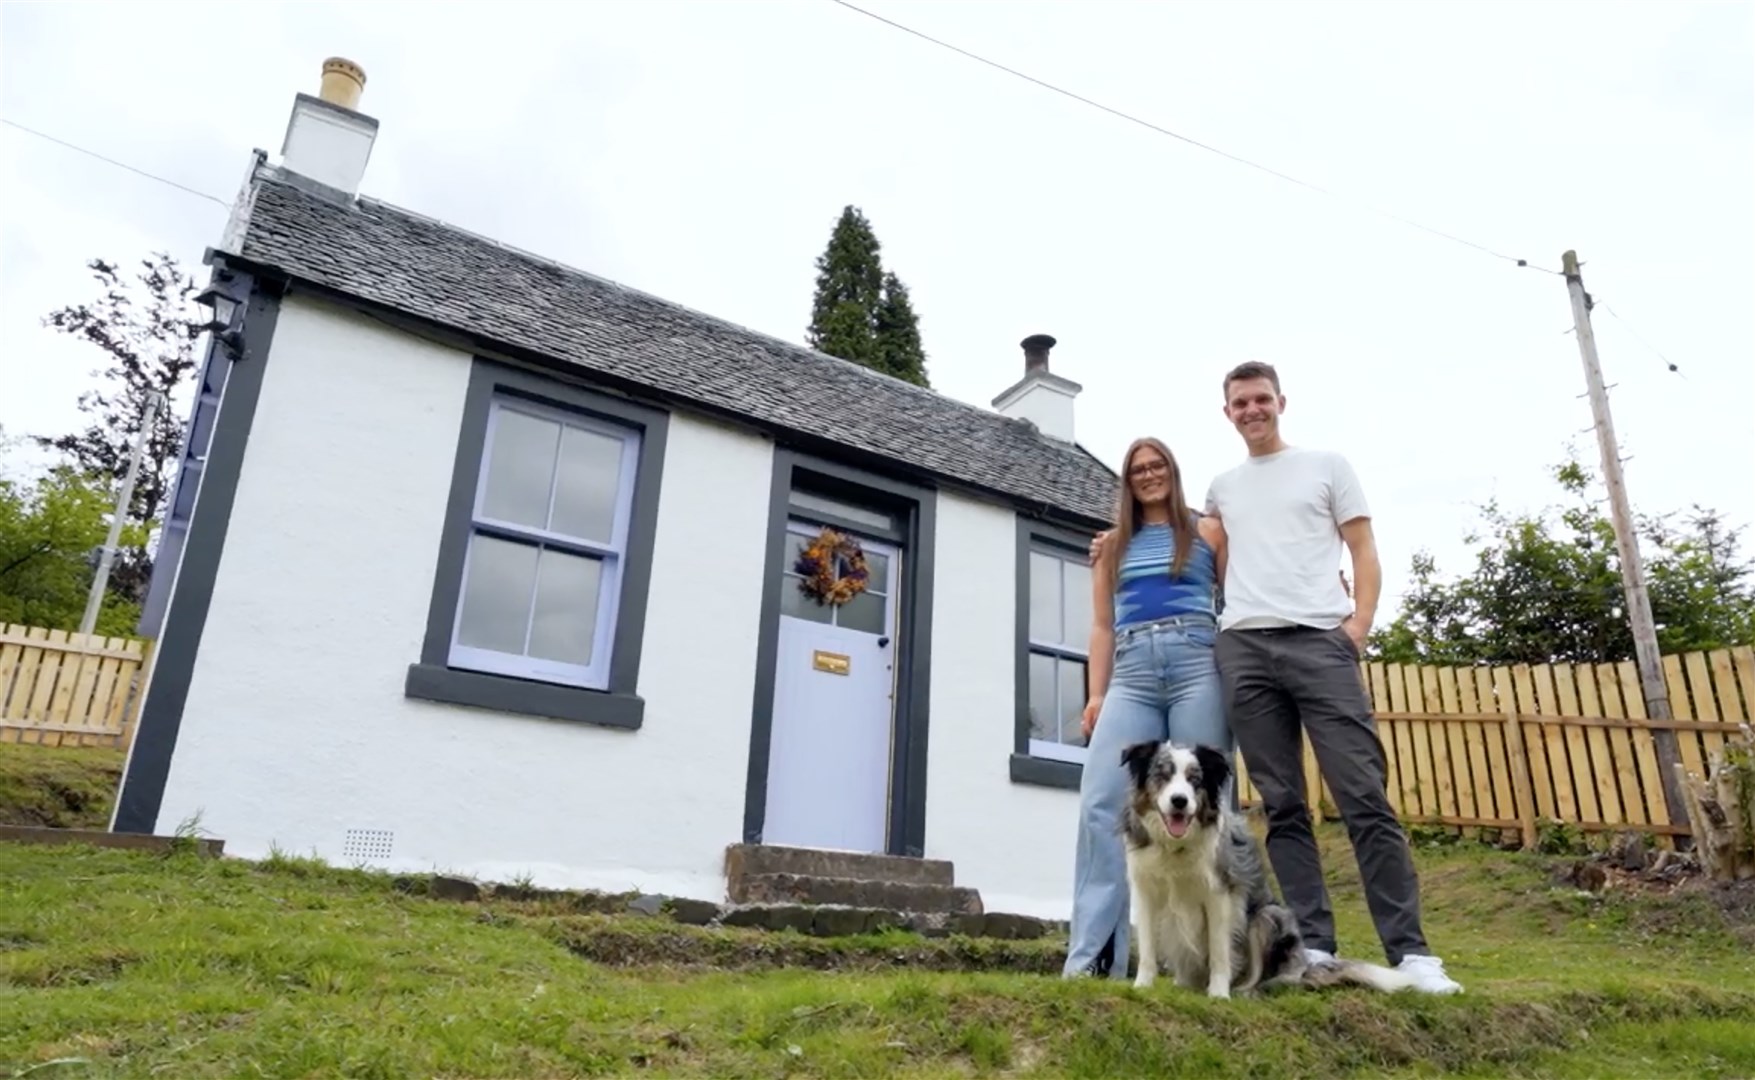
[1150,468]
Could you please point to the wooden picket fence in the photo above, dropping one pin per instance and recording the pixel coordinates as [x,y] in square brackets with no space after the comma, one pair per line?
[1507,747]
[62,689]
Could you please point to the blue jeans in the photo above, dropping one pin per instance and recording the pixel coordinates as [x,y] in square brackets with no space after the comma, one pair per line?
[1164,685]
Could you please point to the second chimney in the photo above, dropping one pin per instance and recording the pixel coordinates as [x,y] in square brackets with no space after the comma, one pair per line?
[1041,397]
[327,140]
[1036,348]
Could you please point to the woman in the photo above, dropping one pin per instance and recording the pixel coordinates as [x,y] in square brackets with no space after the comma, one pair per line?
[1152,676]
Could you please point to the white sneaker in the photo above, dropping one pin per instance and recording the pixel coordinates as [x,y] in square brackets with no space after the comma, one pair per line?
[1428,975]
[1317,957]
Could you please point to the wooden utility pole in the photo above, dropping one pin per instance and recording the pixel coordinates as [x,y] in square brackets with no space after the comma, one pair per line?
[1645,643]
[94,600]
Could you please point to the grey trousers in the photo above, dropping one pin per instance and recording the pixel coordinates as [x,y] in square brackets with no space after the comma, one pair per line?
[1280,684]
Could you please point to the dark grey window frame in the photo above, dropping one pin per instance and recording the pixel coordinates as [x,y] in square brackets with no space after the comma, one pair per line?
[431,678]
[1025,769]
[916,507]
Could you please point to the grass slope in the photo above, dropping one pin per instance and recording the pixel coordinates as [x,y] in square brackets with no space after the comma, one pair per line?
[63,787]
[123,964]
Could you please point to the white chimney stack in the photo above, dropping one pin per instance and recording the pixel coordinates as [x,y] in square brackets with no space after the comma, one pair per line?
[1044,399]
[326,139]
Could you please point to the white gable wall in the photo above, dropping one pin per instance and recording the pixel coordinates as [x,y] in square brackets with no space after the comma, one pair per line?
[1012,841]
[296,728]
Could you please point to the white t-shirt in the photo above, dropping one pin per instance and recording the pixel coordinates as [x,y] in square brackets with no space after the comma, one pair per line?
[1282,514]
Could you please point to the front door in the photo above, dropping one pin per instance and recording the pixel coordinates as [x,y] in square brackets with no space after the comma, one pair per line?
[834,709]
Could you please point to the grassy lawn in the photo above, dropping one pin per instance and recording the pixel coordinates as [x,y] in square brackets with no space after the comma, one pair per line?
[61,787]
[125,964]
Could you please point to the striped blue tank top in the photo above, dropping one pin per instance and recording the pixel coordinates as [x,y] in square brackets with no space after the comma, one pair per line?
[1144,590]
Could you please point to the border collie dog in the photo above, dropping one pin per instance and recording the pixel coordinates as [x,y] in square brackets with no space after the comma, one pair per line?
[1201,904]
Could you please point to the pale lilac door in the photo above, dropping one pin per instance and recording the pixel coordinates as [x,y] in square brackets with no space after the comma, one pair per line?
[834,707]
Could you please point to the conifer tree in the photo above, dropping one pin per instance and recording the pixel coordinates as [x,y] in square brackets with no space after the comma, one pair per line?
[860,312]
[898,334]
[849,287]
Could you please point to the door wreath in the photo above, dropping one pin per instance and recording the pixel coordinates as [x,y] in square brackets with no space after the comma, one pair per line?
[831,568]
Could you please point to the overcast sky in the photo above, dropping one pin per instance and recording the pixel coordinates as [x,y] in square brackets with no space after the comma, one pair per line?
[702,151]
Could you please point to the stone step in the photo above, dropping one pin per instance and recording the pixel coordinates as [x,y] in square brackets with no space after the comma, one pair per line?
[833,921]
[850,892]
[815,919]
[744,860]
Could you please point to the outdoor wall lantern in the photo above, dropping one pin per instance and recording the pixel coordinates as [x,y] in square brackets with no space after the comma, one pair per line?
[227,324]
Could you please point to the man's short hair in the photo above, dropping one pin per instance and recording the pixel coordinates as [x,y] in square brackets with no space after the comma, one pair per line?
[1251,369]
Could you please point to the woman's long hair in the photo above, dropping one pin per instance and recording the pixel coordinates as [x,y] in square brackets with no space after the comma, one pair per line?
[1128,513]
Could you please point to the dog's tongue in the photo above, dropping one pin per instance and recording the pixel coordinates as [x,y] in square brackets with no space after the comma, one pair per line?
[1176,825]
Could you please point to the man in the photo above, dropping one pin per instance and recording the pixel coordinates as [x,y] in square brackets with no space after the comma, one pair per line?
[1288,655]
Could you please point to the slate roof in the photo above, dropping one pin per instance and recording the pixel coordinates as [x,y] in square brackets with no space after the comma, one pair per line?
[379,253]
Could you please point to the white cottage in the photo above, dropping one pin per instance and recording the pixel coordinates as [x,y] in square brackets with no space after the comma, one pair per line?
[482,564]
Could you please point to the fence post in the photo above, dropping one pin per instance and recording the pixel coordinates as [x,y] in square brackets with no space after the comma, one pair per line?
[136,696]
[1521,781]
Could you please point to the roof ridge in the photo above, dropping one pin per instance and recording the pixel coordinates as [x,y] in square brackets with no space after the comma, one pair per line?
[550,261]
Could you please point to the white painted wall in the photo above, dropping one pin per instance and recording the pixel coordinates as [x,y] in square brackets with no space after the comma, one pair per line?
[296,727]
[1014,842]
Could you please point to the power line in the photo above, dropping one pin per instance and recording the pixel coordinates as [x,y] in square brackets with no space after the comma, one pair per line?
[117,164]
[1184,138]
[1635,335]
[1029,78]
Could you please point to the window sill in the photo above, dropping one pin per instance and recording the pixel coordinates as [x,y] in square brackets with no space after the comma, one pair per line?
[1045,772]
[431,682]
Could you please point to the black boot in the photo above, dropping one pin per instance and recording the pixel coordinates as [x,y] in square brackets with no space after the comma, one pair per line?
[1105,961]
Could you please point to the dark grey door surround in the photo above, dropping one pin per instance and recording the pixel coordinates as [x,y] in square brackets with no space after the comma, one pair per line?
[915,509]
